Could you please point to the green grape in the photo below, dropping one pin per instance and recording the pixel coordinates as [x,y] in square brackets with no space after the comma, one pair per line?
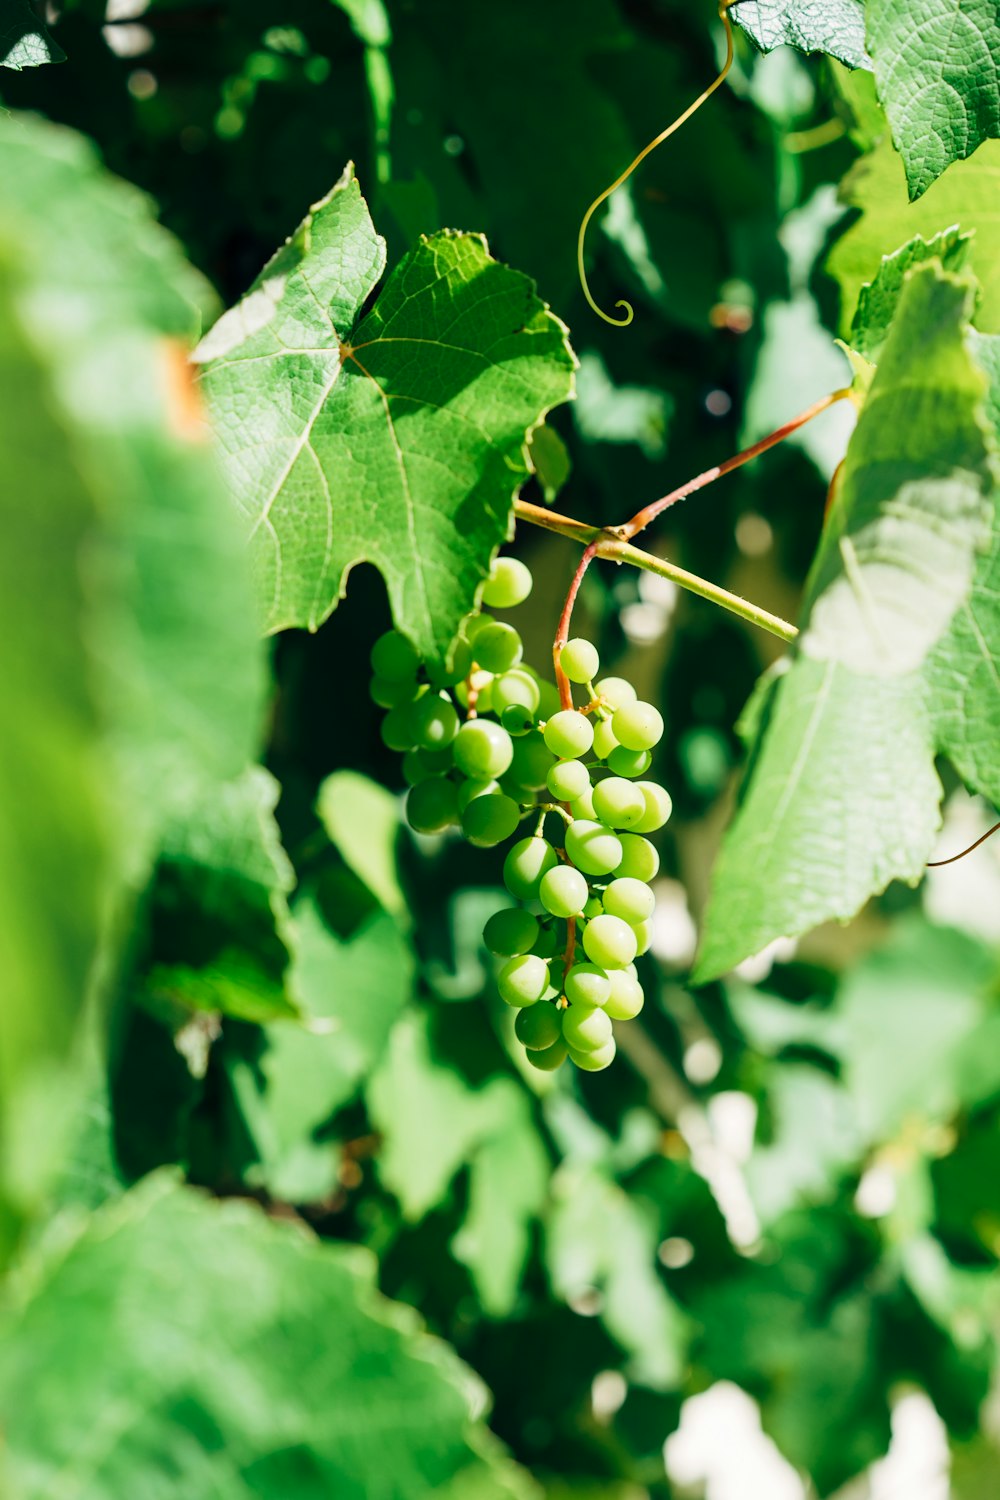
[618,803]
[596,1061]
[538,1026]
[616,691]
[531,761]
[389,694]
[484,697]
[609,942]
[523,980]
[498,648]
[593,848]
[509,583]
[583,807]
[643,937]
[563,891]
[475,625]
[511,932]
[626,998]
[587,984]
[569,734]
[469,790]
[579,660]
[593,908]
[515,689]
[567,780]
[431,805]
[639,726]
[483,749]
[548,942]
[630,899]
[525,865]
[433,721]
[658,807]
[394,657]
[639,860]
[461,665]
[629,762]
[489,820]
[604,739]
[548,698]
[549,1058]
[397,727]
[419,764]
[586,1027]
[517,720]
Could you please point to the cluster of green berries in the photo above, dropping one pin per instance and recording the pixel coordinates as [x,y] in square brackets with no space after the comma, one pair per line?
[488,746]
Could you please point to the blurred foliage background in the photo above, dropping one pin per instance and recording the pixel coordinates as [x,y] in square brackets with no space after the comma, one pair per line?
[788,1184]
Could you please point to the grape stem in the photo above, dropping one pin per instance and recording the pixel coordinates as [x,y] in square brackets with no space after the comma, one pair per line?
[565,619]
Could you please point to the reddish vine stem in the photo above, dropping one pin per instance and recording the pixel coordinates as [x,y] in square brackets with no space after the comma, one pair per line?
[562,632]
[642,518]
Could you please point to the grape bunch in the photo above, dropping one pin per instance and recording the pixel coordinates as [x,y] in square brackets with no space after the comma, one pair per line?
[489,746]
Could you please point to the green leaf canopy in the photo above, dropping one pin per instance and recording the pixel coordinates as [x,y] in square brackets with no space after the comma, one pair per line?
[397,437]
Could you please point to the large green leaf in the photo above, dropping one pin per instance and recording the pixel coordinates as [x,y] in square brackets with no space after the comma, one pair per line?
[843,796]
[966,196]
[937,68]
[396,437]
[879,299]
[24,41]
[833,26]
[238,1357]
[55,833]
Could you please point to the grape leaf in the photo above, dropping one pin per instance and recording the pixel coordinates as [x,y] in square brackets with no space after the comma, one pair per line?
[967,196]
[363,820]
[843,796]
[24,41]
[879,299]
[937,69]
[836,27]
[395,437]
[238,1356]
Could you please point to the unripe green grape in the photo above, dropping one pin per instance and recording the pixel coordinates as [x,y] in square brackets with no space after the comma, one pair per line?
[483,749]
[433,721]
[583,807]
[593,908]
[639,860]
[431,805]
[509,583]
[461,665]
[643,937]
[530,761]
[475,624]
[390,694]
[549,1058]
[394,657]
[629,762]
[419,764]
[468,791]
[538,1026]
[563,891]
[523,980]
[567,780]
[639,726]
[525,865]
[490,819]
[618,803]
[626,998]
[548,698]
[484,697]
[593,848]
[498,648]
[587,984]
[586,1027]
[569,734]
[604,739]
[548,942]
[517,720]
[596,1061]
[630,899]
[396,728]
[609,942]
[658,807]
[616,690]
[510,932]
[515,688]
[579,660]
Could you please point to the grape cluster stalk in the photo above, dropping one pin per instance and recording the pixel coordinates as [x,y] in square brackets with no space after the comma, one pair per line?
[492,746]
